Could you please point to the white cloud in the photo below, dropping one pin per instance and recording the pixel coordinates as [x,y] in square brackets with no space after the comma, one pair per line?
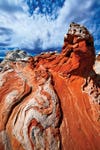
[40,31]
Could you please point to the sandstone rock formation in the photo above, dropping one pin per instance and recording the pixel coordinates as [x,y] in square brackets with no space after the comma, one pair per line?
[51,101]
[97,64]
[98,57]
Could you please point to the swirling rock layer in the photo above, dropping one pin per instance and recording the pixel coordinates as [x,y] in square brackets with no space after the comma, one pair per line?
[51,101]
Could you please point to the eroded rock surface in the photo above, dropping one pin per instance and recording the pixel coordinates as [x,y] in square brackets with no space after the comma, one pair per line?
[97,64]
[51,101]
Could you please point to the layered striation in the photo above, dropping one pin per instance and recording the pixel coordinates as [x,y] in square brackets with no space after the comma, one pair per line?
[51,101]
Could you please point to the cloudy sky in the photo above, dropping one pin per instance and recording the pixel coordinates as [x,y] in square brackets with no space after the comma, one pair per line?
[40,25]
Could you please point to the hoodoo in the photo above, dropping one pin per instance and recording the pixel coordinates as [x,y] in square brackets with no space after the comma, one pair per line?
[51,101]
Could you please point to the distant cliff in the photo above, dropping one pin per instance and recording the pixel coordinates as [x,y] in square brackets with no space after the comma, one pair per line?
[51,101]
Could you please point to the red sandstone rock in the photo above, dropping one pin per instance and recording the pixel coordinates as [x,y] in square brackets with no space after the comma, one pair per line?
[51,101]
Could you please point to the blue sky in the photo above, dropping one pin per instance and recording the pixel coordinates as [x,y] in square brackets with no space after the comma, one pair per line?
[40,25]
